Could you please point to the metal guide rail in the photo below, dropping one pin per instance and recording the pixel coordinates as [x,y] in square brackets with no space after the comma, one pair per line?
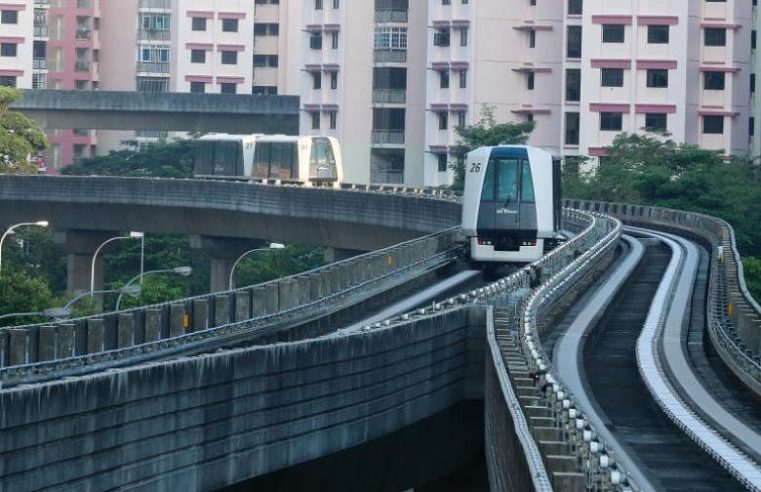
[666,314]
[734,317]
[325,290]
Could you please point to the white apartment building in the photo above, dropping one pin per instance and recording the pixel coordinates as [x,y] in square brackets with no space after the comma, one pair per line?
[16,43]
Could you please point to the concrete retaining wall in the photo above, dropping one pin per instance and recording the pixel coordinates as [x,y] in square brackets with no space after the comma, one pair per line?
[213,420]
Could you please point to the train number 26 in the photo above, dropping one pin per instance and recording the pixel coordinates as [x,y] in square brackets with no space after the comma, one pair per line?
[475,167]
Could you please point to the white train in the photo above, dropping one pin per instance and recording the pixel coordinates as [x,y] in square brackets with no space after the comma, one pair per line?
[308,160]
[512,203]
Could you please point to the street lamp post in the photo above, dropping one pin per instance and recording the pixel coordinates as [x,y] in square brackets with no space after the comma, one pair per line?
[48,313]
[41,223]
[132,235]
[183,270]
[232,270]
[133,290]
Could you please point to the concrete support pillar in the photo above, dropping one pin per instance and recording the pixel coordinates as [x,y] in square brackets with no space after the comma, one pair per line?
[79,246]
[221,309]
[46,344]
[337,254]
[223,253]
[152,325]
[3,349]
[178,320]
[65,341]
[200,314]
[242,305]
[95,332]
[287,294]
[271,301]
[126,330]
[19,341]
[258,302]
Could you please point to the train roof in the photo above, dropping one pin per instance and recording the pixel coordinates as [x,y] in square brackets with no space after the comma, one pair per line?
[229,137]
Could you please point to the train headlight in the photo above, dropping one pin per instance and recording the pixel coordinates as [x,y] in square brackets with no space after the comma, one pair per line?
[484,242]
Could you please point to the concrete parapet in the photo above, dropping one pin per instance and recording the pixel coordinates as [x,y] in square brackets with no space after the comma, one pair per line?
[221,309]
[200,316]
[243,305]
[271,301]
[287,294]
[47,343]
[178,320]
[65,341]
[19,342]
[125,330]
[152,325]
[94,335]
[4,348]
[258,301]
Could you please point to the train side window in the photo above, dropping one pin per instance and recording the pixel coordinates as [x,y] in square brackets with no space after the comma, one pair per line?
[507,174]
[527,183]
[487,192]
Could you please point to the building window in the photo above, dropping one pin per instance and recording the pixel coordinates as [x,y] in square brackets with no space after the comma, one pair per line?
[229,25]
[572,84]
[655,122]
[8,49]
[530,81]
[266,29]
[315,41]
[463,79]
[444,79]
[715,36]
[197,56]
[612,77]
[260,90]
[9,17]
[713,81]
[464,36]
[441,37]
[443,120]
[575,7]
[7,81]
[198,87]
[315,120]
[317,81]
[611,121]
[461,119]
[390,38]
[153,54]
[334,40]
[657,34]
[612,33]
[657,77]
[572,128]
[573,46]
[333,119]
[227,88]
[713,125]
[261,61]
[336,4]
[229,58]
[441,160]
[318,4]
[334,80]
[532,39]
[198,24]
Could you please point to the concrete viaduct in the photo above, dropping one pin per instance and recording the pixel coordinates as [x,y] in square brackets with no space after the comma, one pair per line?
[151,406]
[122,110]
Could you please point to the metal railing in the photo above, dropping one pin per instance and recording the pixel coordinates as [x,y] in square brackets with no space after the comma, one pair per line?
[154,34]
[154,4]
[81,66]
[390,56]
[388,15]
[153,67]
[395,137]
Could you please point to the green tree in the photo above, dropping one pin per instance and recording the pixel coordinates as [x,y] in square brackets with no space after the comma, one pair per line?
[20,137]
[162,159]
[487,132]
[22,293]
[752,270]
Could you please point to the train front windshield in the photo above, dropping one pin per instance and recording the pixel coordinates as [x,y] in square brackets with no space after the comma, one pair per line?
[219,158]
[507,213]
[276,160]
[322,161]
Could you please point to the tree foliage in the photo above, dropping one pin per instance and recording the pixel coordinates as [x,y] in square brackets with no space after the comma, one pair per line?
[20,137]
[486,132]
[23,293]
[162,159]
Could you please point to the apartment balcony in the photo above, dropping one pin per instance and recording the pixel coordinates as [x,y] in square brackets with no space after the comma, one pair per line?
[153,67]
[392,137]
[41,31]
[41,3]
[389,96]
[390,56]
[81,66]
[386,177]
[83,33]
[154,35]
[84,4]
[40,64]
[155,4]
[391,16]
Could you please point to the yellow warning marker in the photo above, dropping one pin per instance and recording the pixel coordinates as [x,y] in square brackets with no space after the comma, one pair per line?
[389,261]
[185,321]
[730,309]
